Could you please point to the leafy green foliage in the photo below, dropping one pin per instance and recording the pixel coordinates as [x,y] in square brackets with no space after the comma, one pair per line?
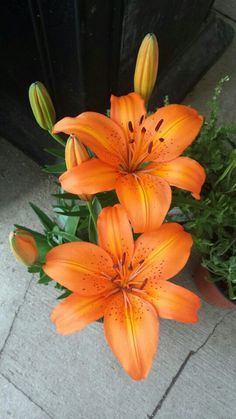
[212,220]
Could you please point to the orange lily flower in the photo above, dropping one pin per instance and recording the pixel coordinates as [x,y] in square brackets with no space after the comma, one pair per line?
[126,282]
[136,155]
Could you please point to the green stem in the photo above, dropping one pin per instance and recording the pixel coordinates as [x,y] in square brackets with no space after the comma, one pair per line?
[92,213]
[58,138]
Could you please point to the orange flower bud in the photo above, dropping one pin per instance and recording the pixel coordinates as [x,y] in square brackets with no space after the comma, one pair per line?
[75,154]
[146,67]
[23,246]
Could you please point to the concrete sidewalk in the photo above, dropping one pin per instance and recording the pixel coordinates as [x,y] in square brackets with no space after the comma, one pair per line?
[44,375]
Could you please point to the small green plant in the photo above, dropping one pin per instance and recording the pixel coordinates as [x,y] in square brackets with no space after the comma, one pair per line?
[212,220]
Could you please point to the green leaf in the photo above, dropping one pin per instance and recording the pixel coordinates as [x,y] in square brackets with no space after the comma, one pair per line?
[55,168]
[55,152]
[72,223]
[64,295]
[44,279]
[34,233]
[67,236]
[92,231]
[45,220]
[65,195]
[34,269]
[97,208]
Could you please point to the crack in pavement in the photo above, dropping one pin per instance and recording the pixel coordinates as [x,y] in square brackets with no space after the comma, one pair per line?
[224,14]
[26,395]
[14,318]
[182,366]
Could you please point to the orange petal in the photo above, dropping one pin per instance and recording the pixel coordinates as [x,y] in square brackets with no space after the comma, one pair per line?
[90,177]
[183,172]
[127,112]
[81,267]
[171,130]
[76,311]
[146,199]
[99,133]
[161,254]
[115,234]
[132,330]
[173,302]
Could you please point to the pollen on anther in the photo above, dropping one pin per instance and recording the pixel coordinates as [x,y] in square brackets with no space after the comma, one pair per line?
[150,145]
[161,140]
[123,258]
[143,130]
[130,126]
[159,124]
[141,120]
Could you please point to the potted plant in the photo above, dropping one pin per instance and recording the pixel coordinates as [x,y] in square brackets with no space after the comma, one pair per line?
[212,220]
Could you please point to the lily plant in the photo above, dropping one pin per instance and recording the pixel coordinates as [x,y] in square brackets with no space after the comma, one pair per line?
[109,247]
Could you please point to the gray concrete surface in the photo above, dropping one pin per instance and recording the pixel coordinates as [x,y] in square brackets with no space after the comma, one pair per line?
[44,375]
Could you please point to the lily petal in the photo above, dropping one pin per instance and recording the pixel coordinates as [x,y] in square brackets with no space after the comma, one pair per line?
[171,130]
[115,234]
[127,111]
[81,267]
[183,172]
[99,133]
[91,176]
[146,199]
[161,254]
[132,331]
[76,311]
[173,302]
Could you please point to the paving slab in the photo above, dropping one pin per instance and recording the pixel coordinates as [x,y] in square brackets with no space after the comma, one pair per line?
[77,376]
[21,180]
[16,405]
[207,380]
[227,7]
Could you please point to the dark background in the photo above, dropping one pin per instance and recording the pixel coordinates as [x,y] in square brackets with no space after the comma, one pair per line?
[84,50]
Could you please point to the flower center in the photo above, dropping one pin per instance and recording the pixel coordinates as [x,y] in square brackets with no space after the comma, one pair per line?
[125,277]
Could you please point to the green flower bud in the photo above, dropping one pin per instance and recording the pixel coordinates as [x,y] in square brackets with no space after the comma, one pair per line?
[42,106]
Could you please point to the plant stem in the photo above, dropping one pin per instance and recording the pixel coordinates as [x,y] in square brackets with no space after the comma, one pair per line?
[92,213]
[58,138]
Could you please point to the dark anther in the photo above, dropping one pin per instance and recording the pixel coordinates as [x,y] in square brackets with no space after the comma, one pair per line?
[123,258]
[141,120]
[159,124]
[130,267]
[141,261]
[131,141]
[144,283]
[150,145]
[161,140]
[130,126]
[143,130]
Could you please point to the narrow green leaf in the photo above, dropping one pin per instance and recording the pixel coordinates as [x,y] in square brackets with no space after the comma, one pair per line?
[55,168]
[34,233]
[64,295]
[55,152]
[45,220]
[44,279]
[34,269]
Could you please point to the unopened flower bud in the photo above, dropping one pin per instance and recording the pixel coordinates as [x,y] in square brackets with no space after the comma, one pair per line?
[75,154]
[146,67]
[42,106]
[23,246]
